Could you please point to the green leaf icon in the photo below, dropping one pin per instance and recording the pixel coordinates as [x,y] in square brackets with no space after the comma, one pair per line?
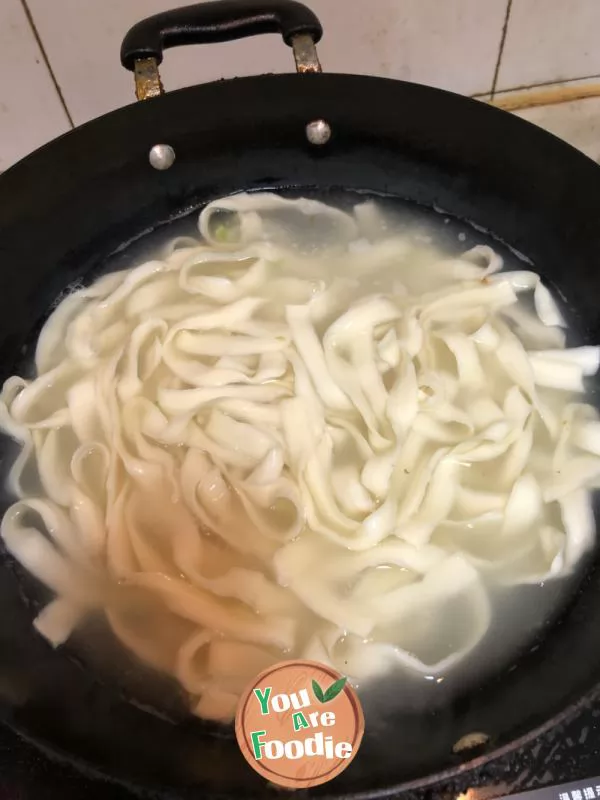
[331,693]
[334,690]
[318,692]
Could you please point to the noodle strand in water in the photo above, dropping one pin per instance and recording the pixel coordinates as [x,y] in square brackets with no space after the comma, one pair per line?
[291,466]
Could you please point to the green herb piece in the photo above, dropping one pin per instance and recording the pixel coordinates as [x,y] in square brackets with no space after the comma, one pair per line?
[222,233]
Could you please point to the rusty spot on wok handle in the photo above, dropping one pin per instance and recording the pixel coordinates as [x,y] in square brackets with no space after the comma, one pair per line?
[147,79]
[305,54]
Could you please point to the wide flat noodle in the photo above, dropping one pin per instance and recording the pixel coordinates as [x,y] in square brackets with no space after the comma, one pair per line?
[238,461]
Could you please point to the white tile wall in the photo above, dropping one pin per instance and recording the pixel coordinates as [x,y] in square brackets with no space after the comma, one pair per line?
[452,44]
[30,109]
[550,40]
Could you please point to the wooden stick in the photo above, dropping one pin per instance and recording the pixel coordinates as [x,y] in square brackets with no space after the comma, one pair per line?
[514,101]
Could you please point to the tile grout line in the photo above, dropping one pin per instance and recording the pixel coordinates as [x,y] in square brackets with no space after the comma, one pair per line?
[38,39]
[526,87]
[500,48]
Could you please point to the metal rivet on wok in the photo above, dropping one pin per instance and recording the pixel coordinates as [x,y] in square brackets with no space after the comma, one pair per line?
[162,156]
[318,131]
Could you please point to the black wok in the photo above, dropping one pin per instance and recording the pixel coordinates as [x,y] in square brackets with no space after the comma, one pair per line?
[71,208]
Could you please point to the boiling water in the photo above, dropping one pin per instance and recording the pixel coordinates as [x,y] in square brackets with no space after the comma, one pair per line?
[520,615]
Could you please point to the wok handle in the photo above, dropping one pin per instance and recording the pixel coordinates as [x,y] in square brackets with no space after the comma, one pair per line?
[219,21]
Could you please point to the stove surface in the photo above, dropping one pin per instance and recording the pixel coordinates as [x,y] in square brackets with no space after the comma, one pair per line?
[564,761]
